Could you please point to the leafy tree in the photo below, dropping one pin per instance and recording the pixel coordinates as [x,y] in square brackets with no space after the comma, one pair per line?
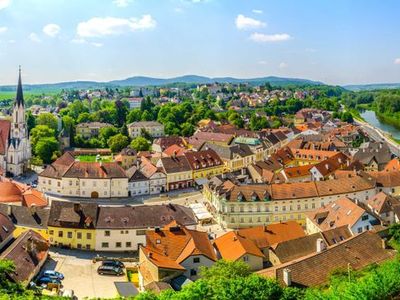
[107,132]
[134,115]
[48,119]
[45,148]
[121,110]
[30,120]
[140,144]
[68,125]
[41,131]
[84,118]
[117,142]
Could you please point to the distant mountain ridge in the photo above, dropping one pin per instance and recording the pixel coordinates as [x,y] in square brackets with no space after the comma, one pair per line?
[142,81]
[371,86]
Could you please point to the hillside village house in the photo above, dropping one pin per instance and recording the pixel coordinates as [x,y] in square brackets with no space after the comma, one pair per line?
[90,129]
[126,158]
[68,177]
[173,251]
[338,213]
[155,129]
[386,207]
[73,225]
[124,228]
[157,178]
[178,171]
[240,206]
[204,163]
[7,228]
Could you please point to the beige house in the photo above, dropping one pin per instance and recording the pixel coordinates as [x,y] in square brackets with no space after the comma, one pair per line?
[155,129]
[90,129]
[68,177]
[242,206]
[178,171]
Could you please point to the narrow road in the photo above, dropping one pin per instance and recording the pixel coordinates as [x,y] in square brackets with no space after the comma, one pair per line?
[379,135]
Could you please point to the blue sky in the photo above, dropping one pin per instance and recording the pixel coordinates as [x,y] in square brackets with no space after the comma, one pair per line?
[334,41]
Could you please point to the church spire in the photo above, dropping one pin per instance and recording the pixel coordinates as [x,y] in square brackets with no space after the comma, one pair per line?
[19,100]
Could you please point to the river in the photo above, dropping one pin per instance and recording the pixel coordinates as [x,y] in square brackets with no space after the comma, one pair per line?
[370,117]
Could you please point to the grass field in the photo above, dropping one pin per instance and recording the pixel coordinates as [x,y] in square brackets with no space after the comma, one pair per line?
[92,158]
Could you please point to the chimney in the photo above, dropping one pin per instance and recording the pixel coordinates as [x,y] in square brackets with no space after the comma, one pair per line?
[384,244]
[77,207]
[9,210]
[320,245]
[33,210]
[287,277]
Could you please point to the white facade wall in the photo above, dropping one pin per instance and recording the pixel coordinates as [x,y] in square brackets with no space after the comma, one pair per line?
[141,187]
[124,239]
[192,265]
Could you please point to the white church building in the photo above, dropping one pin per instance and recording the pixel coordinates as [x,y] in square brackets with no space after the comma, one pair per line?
[15,146]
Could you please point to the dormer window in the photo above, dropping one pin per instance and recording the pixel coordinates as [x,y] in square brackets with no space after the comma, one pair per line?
[240,197]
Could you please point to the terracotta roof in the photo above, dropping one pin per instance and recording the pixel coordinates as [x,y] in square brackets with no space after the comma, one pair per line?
[232,246]
[265,236]
[174,150]
[382,203]
[299,171]
[165,142]
[177,243]
[213,137]
[12,191]
[386,178]
[160,260]
[333,163]
[393,165]
[312,270]
[28,252]
[337,213]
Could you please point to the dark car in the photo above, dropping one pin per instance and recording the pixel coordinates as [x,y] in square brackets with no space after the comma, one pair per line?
[113,263]
[110,270]
[47,280]
[53,274]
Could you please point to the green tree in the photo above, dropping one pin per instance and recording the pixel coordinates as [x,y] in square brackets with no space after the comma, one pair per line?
[30,120]
[84,118]
[117,142]
[48,119]
[140,144]
[41,131]
[134,115]
[45,148]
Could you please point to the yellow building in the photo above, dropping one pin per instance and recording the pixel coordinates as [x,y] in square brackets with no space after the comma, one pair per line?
[205,163]
[72,225]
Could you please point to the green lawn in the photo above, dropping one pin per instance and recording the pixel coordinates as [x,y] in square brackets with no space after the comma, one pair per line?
[92,158]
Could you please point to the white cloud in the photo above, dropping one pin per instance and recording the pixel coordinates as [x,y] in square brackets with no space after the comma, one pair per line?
[243,22]
[11,41]
[51,30]
[283,65]
[97,44]
[34,38]
[121,3]
[269,38]
[257,11]
[97,27]
[262,62]
[3,29]
[397,61]
[178,10]
[4,3]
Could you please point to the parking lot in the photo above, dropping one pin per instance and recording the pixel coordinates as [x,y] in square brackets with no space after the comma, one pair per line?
[81,274]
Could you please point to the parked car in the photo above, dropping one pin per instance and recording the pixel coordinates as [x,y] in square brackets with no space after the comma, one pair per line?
[110,270]
[53,274]
[113,263]
[47,280]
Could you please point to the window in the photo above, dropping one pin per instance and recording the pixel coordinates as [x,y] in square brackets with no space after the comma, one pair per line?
[118,244]
[196,260]
[193,272]
[60,234]
[107,233]
[245,258]
[364,217]
[51,232]
[79,235]
[128,244]
[89,236]
[359,229]
[140,232]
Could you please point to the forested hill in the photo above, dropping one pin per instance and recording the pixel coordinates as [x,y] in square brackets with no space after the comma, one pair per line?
[372,86]
[151,81]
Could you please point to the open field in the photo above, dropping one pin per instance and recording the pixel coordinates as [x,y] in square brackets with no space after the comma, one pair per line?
[92,158]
